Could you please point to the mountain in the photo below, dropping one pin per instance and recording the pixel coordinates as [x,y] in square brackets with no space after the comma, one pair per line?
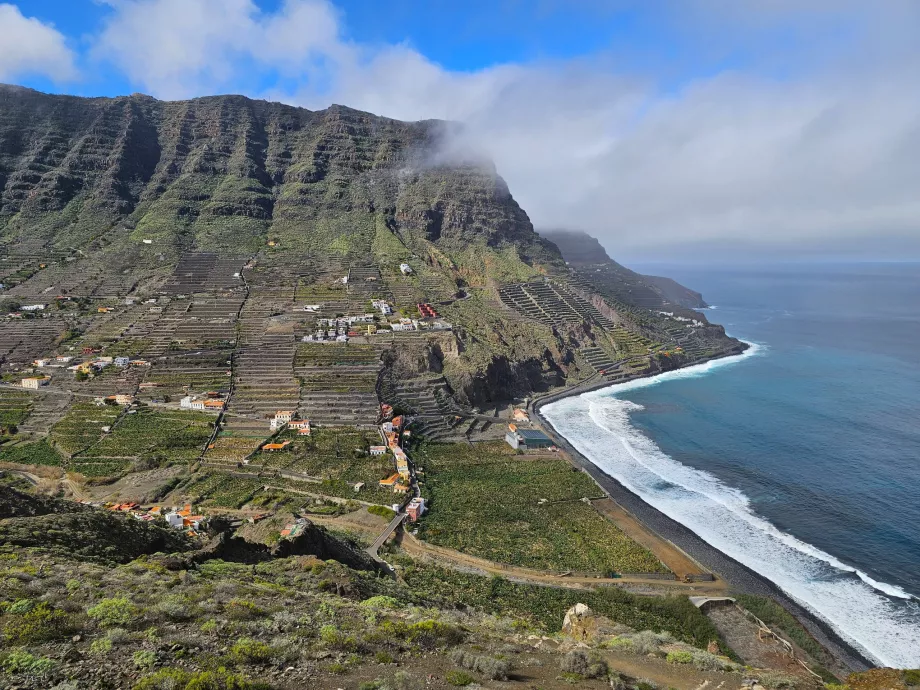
[579,249]
[250,210]
[228,173]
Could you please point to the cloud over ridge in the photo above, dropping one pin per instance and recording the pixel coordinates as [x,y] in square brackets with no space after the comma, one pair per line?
[749,152]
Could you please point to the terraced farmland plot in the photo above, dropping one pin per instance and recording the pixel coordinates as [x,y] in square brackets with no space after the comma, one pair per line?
[175,436]
[14,407]
[522,511]
[38,453]
[335,354]
[340,458]
[219,490]
[82,426]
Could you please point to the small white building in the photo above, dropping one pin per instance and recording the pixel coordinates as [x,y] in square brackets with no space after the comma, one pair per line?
[406,269]
[190,403]
[122,361]
[33,307]
[174,520]
[379,450]
[281,418]
[35,382]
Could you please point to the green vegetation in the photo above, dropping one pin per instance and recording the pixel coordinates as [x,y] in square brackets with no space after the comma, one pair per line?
[776,616]
[118,611]
[158,437]
[382,511]
[522,510]
[339,457]
[220,490]
[82,426]
[38,453]
[545,607]
[180,679]
[14,408]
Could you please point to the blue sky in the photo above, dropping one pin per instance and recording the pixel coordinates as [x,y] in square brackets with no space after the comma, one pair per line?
[667,128]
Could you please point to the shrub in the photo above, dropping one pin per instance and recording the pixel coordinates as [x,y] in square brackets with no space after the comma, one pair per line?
[176,608]
[381,602]
[111,612]
[704,661]
[428,634]
[32,622]
[912,676]
[144,659]
[248,651]
[680,657]
[180,679]
[20,661]
[242,610]
[577,662]
[621,644]
[491,668]
[101,646]
[645,642]
[382,511]
[458,678]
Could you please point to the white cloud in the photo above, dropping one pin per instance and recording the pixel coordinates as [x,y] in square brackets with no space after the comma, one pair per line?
[30,48]
[826,155]
[186,48]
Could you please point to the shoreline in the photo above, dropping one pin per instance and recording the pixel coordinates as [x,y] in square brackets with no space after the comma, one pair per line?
[737,576]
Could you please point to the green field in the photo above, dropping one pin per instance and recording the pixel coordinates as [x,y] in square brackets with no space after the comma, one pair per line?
[39,453]
[525,511]
[82,426]
[220,490]
[173,436]
[14,407]
[338,456]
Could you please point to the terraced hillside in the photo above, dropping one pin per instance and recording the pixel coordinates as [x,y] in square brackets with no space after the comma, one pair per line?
[268,258]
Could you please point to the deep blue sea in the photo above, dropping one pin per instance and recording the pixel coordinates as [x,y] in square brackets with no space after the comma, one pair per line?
[801,459]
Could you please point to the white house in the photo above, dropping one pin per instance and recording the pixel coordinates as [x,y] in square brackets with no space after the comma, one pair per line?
[174,520]
[405,268]
[33,307]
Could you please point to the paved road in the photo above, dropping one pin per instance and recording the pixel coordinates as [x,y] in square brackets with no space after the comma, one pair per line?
[394,523]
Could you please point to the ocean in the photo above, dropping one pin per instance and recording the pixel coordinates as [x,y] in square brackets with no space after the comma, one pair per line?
[801,457]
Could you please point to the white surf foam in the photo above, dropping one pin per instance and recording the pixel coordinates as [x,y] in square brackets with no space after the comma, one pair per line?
[879,618]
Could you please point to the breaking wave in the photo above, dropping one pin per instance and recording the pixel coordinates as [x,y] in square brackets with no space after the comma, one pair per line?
[880,619]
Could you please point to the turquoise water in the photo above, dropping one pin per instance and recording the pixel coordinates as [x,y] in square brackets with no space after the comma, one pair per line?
[800,459]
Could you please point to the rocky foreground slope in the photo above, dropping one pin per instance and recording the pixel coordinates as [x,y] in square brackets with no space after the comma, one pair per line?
[310,615]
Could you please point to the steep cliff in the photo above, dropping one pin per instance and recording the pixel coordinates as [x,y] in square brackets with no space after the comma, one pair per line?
[228,173]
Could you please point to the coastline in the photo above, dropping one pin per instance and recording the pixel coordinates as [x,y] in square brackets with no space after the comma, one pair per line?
[739,577]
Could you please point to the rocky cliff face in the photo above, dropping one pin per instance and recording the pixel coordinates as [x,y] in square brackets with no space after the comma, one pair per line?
[230,173]
[579,249]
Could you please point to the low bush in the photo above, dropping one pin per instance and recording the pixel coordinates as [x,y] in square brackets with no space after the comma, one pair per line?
[111,612]
[680,657]
[428,634]
[101,646]
[144,659]
[381,602]
[577,662]
[180,679]
[491,668]
[243,610]
[458,678]
[22,662]
[912,676]
[248,651]
[32,622]
[382,511]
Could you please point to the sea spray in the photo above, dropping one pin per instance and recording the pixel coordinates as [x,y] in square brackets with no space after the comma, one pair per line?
[878,618]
